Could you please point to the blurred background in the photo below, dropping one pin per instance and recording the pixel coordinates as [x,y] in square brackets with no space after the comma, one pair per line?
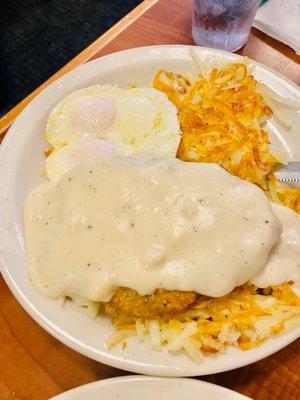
[37,37]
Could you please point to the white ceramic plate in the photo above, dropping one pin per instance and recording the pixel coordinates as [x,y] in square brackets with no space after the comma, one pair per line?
[21,159]
[149,388]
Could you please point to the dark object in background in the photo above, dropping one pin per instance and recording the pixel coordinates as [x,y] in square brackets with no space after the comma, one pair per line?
[40,36]
[3,78]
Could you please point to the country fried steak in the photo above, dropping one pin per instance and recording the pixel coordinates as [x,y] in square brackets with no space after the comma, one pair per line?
[162,303]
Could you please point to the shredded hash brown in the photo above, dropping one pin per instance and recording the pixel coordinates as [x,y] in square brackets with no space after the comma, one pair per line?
[221,118]
[244,318]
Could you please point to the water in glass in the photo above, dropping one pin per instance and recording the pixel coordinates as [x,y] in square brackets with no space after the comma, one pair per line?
[223,24]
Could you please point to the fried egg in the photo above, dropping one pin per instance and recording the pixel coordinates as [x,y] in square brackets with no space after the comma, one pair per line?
[92,121]
[67,157]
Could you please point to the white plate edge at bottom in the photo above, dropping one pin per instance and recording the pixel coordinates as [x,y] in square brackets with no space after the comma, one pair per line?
[138,378]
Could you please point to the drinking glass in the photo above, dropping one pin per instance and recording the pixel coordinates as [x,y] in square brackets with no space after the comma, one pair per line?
[223,24]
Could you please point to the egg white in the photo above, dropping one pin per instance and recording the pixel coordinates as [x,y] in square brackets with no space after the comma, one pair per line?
[64,158]
[139,121]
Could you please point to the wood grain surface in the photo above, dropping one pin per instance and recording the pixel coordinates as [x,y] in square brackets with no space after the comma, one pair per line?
[35,366]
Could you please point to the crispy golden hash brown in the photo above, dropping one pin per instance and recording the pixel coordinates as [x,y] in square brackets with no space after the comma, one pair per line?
[161,304]
[221,117]
[280,193]
[243,318]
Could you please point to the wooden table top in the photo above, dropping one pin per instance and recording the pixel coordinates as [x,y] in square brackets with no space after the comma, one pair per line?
[35,366]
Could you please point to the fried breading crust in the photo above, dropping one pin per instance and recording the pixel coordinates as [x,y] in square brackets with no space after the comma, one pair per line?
[162,303]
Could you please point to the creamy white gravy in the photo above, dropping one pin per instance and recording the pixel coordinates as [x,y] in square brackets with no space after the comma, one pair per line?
[146,224]
[284,260]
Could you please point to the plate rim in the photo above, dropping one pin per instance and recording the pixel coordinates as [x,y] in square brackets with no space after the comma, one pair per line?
[109,358]
[149,378]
